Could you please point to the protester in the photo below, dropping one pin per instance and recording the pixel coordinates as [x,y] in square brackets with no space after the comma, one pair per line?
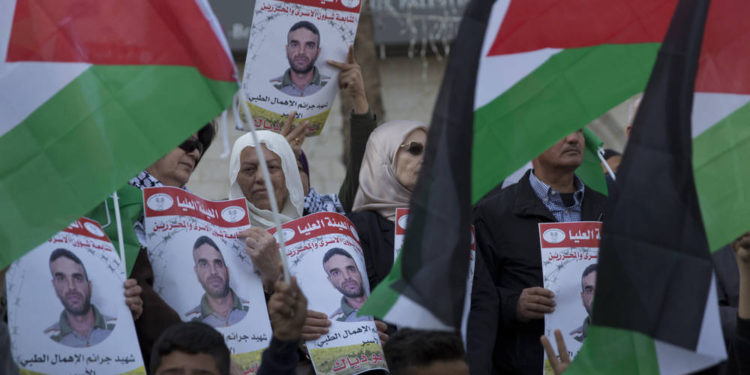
[247,181]
[413,352]
[508,239]
[388,174]
[286,308]
[190,348]
[173,169]
[738,340]
[393,158]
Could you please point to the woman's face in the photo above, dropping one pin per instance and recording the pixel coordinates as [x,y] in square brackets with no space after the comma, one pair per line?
[252,184]
[409,158]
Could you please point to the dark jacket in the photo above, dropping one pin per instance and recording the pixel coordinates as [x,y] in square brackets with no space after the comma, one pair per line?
[507,231]
[482,326]
[360,127]
[376,235]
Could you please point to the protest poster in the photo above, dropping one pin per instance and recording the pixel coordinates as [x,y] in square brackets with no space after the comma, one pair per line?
[402,217]
[66,307]
[202,271]
[324,254]
[286,67]
[569,255]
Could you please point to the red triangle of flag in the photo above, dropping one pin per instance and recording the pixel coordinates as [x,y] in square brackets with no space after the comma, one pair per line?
[115,32]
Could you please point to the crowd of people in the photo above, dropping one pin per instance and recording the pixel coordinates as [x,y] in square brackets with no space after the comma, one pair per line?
[509,303]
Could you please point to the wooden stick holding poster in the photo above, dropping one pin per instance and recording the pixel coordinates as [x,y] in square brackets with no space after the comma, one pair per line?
[326,257]
[67,311]
[286,68]
[201,269]
[570,252]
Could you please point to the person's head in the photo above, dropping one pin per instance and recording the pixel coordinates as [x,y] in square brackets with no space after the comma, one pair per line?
[343,273]
[190,348]
[409,158]
[210,267]
[302,46]
[564,156]
[613,158]
[392,161]
[413,352]
[71,282]
[246,177]
[588,286]
[176,167]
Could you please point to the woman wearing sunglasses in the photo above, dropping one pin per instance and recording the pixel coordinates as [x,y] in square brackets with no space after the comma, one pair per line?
[391,164]
[393,158]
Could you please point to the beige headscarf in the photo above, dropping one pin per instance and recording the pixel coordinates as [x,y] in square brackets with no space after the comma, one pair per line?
[295,202]
[379,190]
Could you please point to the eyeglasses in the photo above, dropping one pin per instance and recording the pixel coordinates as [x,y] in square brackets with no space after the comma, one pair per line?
[414,148]
[191,144]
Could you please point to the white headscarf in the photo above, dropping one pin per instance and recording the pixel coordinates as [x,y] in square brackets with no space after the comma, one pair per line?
[379,189]
[295,201]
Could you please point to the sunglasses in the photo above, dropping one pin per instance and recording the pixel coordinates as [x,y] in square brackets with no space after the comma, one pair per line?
[414,148]
[191,144]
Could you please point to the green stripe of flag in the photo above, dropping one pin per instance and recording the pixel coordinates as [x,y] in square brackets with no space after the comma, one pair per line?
[626,353]
[90,138]
[570,90]
[720,156]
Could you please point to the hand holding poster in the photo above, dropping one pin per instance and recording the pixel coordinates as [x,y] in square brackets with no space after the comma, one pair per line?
[201,269]
[286,68]
[325,256]
[67,311]
[569,256]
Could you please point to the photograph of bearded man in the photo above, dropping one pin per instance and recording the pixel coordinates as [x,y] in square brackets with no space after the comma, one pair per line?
[302,78]
[588,288]
[81,324]
[344,275]
[220,306]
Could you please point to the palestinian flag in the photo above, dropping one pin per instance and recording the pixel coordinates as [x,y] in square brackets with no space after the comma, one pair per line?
[91,93]
[655,306]
[426,288]
[551,67]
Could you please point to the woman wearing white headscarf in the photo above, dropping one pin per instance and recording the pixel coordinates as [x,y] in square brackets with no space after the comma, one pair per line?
[246,181]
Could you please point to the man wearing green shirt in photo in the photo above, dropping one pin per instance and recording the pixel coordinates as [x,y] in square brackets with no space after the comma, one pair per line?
[220,306]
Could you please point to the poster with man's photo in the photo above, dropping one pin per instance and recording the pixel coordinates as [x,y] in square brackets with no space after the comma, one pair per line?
[324,253]
[202,271]
[66,307]
[286,69]
[569,256]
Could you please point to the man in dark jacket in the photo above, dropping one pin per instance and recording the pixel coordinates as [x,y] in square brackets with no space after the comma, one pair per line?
[508,238]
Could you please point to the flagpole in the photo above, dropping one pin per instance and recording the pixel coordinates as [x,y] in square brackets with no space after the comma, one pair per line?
[269,187]
[600,154]
[118,220]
